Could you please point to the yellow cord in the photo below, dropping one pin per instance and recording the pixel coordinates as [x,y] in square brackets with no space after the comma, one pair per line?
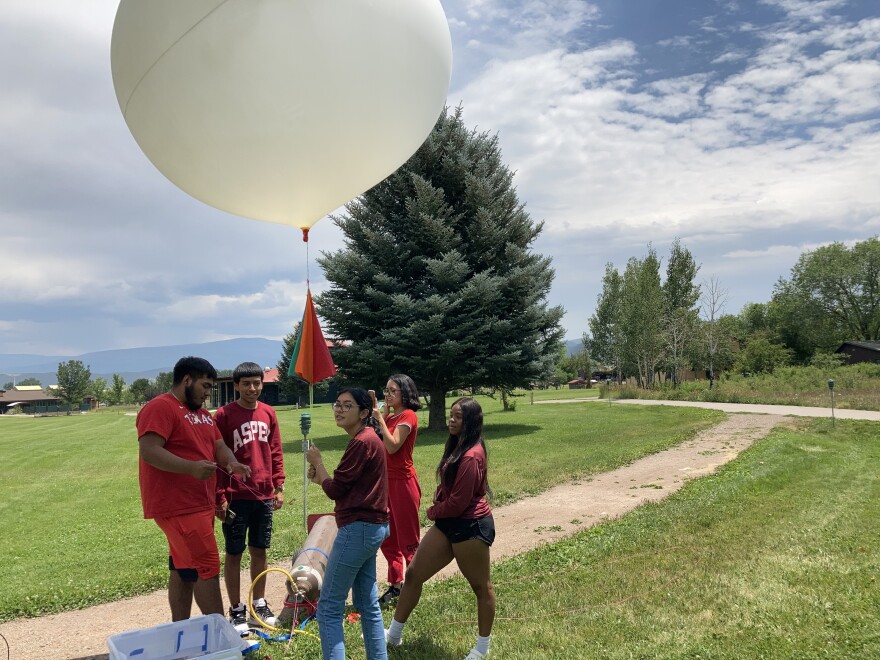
[293,630]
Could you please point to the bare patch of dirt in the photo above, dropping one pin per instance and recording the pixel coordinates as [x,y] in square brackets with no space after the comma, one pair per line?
[527,524]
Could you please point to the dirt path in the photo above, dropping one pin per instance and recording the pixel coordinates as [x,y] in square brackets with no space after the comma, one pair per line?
[521,526]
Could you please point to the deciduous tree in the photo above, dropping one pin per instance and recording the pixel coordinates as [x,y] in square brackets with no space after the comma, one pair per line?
[117,390]
[73,382]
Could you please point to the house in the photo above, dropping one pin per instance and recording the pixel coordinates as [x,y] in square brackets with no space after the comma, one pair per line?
[224,391]
[860,351]
[30,400]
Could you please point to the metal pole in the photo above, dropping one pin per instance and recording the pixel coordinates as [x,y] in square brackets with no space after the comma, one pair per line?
[832,408]
[831,389]
[305,423]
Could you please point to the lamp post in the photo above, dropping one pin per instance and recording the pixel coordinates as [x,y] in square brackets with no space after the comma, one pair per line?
[831,389]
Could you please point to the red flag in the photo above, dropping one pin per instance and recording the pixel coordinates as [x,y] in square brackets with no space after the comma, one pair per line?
[311,359]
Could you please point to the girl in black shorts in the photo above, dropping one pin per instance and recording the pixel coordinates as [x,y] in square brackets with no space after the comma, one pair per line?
[463,526]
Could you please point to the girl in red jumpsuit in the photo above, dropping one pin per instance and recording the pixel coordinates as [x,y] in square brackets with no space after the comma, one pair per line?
[398,428]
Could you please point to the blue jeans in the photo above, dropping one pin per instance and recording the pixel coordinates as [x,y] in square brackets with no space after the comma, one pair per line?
[352,565]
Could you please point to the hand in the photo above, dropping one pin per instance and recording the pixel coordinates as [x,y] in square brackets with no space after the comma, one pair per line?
[377,412]
[278,500]
[313,455]
[240,469]
[220,511]
[203,470]
[313,475]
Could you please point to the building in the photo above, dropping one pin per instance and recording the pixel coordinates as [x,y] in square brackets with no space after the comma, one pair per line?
[31,400]
[224,391]
[855,352]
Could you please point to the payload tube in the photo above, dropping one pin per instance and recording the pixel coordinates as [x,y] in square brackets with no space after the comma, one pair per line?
[307,572]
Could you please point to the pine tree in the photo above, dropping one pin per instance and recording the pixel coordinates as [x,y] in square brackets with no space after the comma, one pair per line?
[437,279]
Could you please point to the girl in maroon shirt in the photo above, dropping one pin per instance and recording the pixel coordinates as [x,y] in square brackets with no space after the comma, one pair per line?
[463,526]
[359,486]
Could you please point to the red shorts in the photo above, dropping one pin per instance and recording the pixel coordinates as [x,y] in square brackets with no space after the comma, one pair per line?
[191,542]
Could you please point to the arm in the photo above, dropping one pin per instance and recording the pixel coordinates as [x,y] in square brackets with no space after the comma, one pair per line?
[317,472]
[152,451]
[392,440]
[467,480]
[277,453]
[225,458]
[346,474]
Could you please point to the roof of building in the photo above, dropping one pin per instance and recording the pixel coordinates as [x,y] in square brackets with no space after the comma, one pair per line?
[870,345]
[13,396]
[28,388]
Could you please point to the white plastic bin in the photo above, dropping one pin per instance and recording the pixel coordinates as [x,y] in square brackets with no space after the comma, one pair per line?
[210,636]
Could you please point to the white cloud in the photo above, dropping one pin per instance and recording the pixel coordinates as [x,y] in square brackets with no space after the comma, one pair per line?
[683,154]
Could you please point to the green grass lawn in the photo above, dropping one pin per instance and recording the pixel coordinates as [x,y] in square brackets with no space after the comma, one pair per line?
[775,556]
[71,527]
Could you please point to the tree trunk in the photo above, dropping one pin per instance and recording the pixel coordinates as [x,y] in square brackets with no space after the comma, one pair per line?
[437,409]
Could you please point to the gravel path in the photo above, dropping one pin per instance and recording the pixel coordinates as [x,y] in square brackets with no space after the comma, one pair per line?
[520,526]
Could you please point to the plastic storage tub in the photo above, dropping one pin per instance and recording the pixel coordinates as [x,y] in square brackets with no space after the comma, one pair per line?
[210,636]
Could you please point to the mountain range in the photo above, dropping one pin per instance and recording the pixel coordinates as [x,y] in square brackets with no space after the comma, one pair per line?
[148,362]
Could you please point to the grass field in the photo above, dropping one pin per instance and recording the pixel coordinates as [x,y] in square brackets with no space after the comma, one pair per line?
[775,556]
[71,527]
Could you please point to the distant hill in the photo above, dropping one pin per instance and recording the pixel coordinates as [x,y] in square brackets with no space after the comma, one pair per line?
[133,363]
[573,346]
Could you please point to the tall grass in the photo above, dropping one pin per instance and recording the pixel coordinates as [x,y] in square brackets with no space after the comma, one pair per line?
[855,387]
[71,527]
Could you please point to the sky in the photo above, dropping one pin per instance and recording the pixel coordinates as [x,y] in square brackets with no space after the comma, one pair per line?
[749,130]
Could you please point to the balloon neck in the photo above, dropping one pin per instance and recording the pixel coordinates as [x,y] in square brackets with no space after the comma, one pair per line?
[305,231]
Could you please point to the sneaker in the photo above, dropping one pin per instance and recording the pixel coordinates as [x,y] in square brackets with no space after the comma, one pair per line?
[238,617]
[475,655]
[261,607]
[391,642]
[389,596]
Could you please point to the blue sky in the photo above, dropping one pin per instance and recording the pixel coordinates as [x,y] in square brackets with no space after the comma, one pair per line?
[749,130]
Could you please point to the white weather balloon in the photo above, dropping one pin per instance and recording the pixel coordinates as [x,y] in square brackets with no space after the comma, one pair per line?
[280,110]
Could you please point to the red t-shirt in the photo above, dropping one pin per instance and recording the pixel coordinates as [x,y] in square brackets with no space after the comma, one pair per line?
[255,439]
[360,482]
[190,434]
[467,496]
[400,463]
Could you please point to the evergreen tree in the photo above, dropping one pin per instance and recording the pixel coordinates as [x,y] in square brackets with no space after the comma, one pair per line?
[437,279]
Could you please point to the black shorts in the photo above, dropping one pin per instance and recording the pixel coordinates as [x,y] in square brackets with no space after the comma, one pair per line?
[466,529]
[252,525]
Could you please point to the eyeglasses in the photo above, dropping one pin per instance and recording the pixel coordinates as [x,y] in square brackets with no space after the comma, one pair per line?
[348,405]
[389,390]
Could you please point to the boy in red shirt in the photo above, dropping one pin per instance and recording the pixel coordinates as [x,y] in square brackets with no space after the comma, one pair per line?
[180,451]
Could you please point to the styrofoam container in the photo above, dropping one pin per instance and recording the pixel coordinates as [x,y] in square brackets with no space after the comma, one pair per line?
[210,636]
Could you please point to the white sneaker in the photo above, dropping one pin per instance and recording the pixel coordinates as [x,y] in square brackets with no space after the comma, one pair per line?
[391,642]
[475,655]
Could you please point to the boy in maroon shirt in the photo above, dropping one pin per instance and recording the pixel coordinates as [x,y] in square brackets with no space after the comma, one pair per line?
[250,429]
